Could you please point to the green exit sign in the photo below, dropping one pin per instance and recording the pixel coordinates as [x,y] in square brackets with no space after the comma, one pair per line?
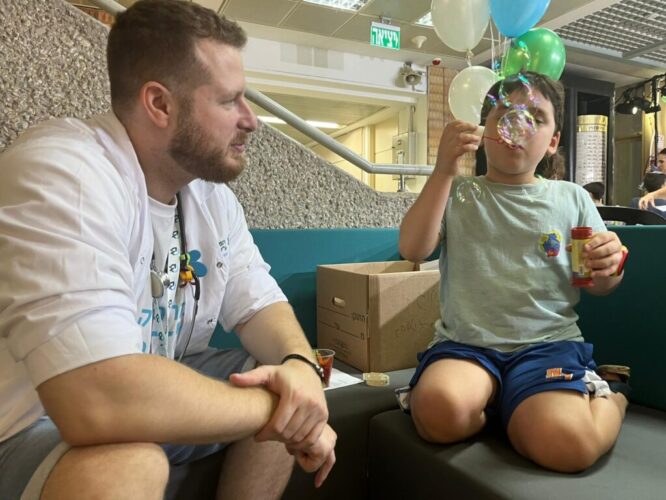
[385,35]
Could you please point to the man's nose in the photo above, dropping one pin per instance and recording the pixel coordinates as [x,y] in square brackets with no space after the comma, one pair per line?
[248,120]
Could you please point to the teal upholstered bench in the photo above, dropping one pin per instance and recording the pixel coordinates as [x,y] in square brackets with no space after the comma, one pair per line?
[381,456]
[626,327]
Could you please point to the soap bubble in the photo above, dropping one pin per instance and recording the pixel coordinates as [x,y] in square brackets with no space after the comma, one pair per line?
[515,83]
[517,126]
[468,191]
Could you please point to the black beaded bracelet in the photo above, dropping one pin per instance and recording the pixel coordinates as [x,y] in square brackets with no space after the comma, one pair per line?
[315,366]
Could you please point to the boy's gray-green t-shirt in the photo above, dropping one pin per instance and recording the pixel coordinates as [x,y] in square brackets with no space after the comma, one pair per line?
[506,274]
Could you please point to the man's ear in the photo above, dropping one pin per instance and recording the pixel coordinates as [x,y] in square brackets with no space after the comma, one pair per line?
[554,143]
[158,103]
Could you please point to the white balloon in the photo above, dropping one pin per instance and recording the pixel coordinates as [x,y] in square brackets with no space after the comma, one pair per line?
[468,90]
[460,24]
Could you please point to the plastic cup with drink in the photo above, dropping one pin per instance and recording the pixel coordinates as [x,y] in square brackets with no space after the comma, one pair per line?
[325,359]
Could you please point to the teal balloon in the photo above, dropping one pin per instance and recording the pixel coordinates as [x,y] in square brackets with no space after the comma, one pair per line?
[539,50]
[513,18]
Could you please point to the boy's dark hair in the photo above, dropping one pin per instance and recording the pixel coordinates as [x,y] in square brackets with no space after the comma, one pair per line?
[662,152]
[550,167]
[596,189]
[549,88]
[154,40]
[653,181]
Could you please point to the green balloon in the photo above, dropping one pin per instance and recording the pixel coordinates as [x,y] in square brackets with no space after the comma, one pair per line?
[539,50]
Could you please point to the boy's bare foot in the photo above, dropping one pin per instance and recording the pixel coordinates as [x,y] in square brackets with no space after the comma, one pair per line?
[617,377]
[614,372]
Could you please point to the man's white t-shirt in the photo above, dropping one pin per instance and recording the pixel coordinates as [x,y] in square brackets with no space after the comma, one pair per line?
[76,230]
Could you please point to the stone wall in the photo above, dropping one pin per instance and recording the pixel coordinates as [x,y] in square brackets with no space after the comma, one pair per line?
[52,64]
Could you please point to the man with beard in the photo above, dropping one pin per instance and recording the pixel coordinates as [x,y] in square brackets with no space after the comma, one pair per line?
[125,249]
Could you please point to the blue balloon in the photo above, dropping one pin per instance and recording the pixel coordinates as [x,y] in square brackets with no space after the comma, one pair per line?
[513,20]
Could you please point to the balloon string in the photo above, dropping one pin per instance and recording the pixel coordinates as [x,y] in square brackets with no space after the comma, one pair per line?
[469,57]
[493,62]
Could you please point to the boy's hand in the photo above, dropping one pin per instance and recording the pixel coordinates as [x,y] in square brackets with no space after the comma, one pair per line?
[603,253]
[457,139]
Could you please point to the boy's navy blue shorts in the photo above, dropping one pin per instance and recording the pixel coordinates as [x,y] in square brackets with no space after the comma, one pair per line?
[543,367]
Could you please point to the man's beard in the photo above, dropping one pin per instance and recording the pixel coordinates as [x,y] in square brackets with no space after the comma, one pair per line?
[194,151]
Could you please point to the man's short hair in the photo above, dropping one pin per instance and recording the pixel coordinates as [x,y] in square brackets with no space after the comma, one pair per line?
[154,40]
[654,181]
[596,189]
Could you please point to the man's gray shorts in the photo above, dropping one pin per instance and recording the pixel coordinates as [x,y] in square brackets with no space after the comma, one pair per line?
[27,458]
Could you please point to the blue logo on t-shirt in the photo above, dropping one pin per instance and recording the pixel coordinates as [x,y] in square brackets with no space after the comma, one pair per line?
[199,267]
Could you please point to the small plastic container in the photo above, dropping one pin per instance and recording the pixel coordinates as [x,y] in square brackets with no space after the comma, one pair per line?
[581,274]
[376,379]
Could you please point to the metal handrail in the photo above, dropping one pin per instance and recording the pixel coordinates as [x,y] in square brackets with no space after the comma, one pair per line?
[111,6]
[302,126]
[315,134]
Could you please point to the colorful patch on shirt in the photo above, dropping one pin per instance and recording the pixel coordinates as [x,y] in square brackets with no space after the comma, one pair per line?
[199,267]
[551,243]
[557,373]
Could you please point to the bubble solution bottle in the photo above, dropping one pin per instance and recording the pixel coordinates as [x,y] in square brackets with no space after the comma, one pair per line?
[581,274]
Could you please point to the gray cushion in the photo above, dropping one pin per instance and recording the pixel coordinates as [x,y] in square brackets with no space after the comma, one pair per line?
[402,465]
[351,409]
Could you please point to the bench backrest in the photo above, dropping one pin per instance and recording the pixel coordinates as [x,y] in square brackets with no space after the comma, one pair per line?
[626,327]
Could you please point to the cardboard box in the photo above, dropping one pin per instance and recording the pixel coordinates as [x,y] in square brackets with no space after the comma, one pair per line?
[377,315]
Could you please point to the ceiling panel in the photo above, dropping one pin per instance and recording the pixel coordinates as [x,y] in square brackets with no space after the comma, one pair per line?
[621,26]
[404,10]
[626,26]
[258,11]
[558,8]
[315,19]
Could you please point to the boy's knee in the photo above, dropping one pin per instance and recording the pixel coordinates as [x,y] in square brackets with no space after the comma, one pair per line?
[565,450]
[447,420]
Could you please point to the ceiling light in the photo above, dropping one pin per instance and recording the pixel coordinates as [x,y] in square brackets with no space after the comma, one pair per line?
[353,5]
[641,103]
[626,108]
[631,105]
[425,20]
[318,124]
